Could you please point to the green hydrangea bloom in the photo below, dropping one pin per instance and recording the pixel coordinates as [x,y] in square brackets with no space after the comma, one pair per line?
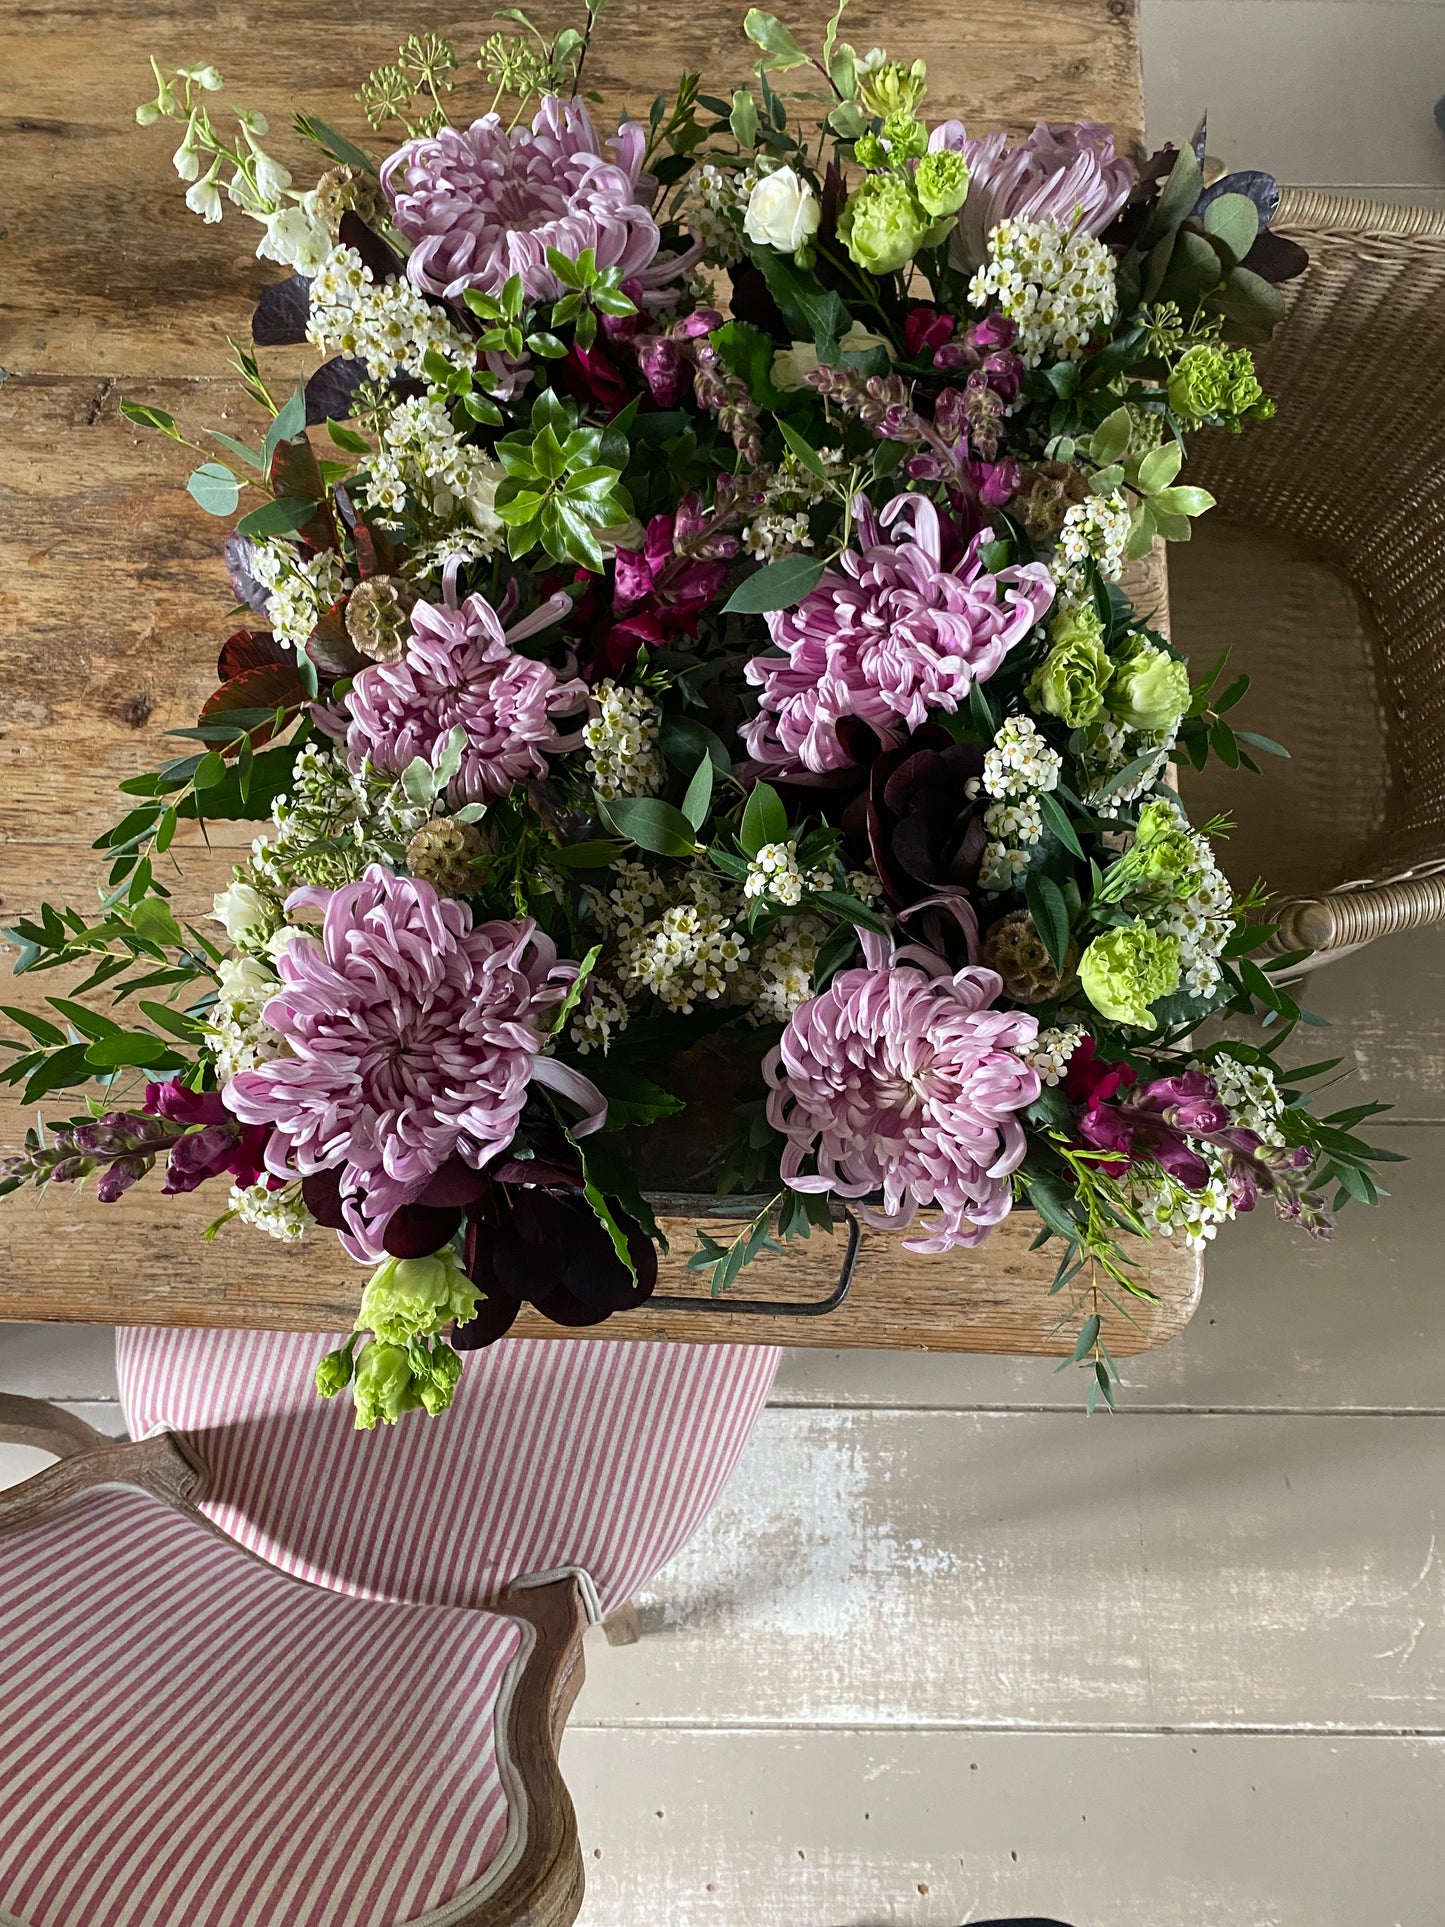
[385,1386]
[413,1297]
[1071,681]
[882,225]
[1127,969]
[1215,384]
[890,87]
[1149,690]
[941,182]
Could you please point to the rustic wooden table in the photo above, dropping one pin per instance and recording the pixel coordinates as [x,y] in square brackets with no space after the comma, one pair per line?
[114,595]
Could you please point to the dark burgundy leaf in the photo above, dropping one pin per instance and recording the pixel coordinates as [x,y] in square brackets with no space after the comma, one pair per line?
[1261,188]
[245,587]
[335,654]
[547,1173]
[282,313]
[563,1309]
[595,1275]
[294,471]
[495,1318]
[354,233]
[274,685]
[247,649]
[321,1194]
[331,391]
[1274,257]
[417,1230]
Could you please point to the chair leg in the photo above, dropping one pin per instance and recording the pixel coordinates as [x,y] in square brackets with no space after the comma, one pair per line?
[621,1628]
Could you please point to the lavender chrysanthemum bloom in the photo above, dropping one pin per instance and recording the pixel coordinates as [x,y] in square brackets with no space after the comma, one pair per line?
[1067,172]
[460,671]
[894,637]
[412,1037]
[900,1080]
[481,203]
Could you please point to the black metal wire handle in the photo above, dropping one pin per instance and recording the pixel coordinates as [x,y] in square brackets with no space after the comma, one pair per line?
[775,1307]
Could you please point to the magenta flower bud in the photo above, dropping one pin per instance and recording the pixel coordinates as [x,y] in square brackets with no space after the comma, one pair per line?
[118,1178]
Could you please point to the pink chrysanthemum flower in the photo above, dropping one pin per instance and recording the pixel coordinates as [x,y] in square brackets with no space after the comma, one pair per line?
[894,637]
[900,1080]
[460,671]
[481,203]
[1067,173]
[412,1036]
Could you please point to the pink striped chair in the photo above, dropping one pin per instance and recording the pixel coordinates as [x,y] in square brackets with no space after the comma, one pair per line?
[594,1458]
[260,1668]
[189,1738]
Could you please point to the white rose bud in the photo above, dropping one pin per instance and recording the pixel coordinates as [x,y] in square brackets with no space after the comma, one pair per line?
[783,211]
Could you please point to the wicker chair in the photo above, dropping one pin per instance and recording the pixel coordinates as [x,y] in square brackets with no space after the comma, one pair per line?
[1323,571]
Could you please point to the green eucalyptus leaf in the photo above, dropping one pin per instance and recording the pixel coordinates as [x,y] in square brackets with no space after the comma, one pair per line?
[216,488]
[1234,220]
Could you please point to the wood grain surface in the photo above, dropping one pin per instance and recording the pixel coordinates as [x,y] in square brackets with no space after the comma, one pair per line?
[113,597]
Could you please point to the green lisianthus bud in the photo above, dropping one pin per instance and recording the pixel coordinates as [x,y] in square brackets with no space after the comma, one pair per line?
[1071,681]
[333,1374]
[888,87]
[385,1386]
[409,1298]
[1165,855]
[1149,690]
[941,182]
[906,137]
[437,1388]
[882,226]
[1127,969]
[1214,384]
[869,151]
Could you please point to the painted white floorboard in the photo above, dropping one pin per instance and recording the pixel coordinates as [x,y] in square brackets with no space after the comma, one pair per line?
[938,1829]
[1153,1571]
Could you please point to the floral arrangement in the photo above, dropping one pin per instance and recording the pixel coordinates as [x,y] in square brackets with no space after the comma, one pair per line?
[681,625]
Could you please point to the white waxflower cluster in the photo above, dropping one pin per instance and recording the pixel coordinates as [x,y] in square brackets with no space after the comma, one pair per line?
[602,1013]
[622,739]
[332,823]
[691,952]
[280,1214]
[774,873]
[1169,1211]
[233,1026]
[1097,527]
[1252,1095]
[1019,760]
[1050,1051]
[784,970]
[781,526]
[1113,745]
[387,325]
[716,215]
[1018,765]
[864,885]
[1057,287]
[423,460]
[1203,922]
[300,588]
[775,533]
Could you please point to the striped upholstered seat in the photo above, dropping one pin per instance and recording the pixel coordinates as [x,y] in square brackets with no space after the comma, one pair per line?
[587,1456]
[188,1739]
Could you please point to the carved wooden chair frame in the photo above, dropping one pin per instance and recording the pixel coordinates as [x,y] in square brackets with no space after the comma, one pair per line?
[544,1887]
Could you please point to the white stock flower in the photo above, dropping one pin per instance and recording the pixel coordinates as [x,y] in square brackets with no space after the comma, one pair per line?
[783,211]
[244,912]
[295,237]
[204,198]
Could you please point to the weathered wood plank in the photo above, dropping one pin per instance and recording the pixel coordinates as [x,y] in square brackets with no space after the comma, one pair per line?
[857,1829]
[109,274]
[1285,1325]
[142,1262]
[1154,1571]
